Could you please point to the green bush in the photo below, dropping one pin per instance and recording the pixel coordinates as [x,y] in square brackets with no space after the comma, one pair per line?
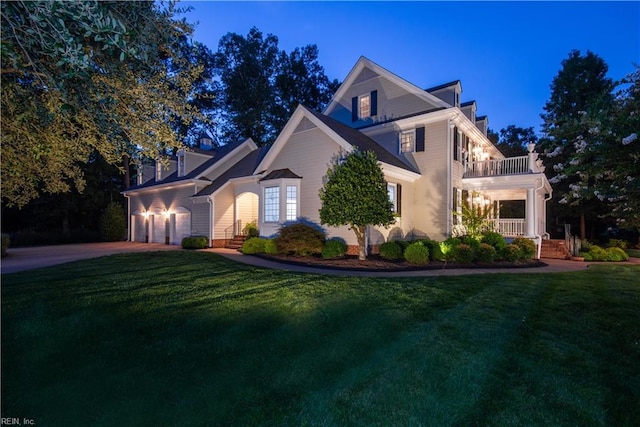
[597,253]
[391,250]
[617,243]
[435,254]
[512,253]
[404,244]
[485,253]
[417,254]
[616,254]
[447,248]
[527,247]
[586,256]
[334,248]
[5,244]
[300,240]
[463,253]
[471,241]
[270,247]
[586,245]
[250,230]
[254,245]
[113,226]
[495,240]
[195,242]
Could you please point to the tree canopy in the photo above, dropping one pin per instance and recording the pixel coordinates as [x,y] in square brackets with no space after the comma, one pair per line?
[580,89]
[355,195]
[513,140]
[85,77]
[261,85]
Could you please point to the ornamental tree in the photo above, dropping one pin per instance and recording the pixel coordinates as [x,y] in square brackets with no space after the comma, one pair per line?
[355,195]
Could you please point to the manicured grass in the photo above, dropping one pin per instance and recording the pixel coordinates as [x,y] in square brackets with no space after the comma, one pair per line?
[184,338]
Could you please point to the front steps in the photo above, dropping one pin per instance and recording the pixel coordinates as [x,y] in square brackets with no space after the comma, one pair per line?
[236,243]
[554,249]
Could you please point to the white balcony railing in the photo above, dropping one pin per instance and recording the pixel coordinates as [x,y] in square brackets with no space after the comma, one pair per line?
[508,166]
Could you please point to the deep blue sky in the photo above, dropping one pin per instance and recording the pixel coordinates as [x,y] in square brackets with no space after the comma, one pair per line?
[505,53]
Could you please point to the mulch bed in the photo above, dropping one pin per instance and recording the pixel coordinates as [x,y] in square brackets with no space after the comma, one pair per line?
[376,263]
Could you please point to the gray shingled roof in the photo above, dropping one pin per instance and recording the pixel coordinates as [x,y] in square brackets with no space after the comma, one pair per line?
[280,174]
[217,155]
[442,86]
[363,142]
[244,167]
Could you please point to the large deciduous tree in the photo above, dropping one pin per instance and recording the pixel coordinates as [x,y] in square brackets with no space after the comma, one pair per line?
[260,85]
[513,140]
[88,77]
[581,88]
[355,195]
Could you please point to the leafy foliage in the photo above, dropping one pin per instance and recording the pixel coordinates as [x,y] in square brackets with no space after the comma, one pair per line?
[475,219]
[79,77]
[417,254]
[113,223]
[254,245]
[463,253]
[527,247]
[300,240]
[195,242]
[485,253]
[494,239]
[513,140]
[260,85]
[355,194]
[391,250]
[334,248]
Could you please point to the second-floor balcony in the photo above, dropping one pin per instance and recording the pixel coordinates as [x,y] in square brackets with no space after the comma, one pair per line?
[507,166]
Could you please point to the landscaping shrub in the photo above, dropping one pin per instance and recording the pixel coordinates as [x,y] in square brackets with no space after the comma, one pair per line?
[447,248]
[617,243]
[391,250]
[300,240]
[512,253]
[270,247]
[404,244]
[416,253]
[254,245]
[435,254]
[485,253]
[616,254]
[495,240]
[250,230]
[586,256]
[5,244]
[586,245]
[527,247]
[112,224]
[334,248]
[463,253]
[195,242]
[471,241]
[597,253]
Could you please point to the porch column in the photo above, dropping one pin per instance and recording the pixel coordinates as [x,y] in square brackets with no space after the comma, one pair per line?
[531,216]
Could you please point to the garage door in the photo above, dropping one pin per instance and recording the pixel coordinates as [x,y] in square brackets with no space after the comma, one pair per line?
[159,230]
[180,227]
[138,233]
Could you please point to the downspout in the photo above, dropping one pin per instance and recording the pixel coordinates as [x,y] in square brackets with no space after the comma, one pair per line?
[546,234]
[128,217]
[450,127]
[210,200]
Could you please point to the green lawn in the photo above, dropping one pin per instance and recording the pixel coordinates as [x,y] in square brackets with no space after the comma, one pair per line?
[189,338]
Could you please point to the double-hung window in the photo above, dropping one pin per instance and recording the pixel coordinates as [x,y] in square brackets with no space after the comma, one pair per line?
[364,106]
[292,203]
[395,196]
[407,141]
[181,164]
[272,204]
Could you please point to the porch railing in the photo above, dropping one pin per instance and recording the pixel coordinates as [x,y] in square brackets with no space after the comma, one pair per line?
[511,227]
[508,166]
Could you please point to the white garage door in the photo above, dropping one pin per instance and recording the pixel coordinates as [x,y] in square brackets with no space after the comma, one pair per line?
[180,227]
[139,232]
[159,231]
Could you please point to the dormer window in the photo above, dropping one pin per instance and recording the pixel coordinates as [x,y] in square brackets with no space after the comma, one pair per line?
[364,103]
[364,106]
[407,141]
[182,170]
[158,170]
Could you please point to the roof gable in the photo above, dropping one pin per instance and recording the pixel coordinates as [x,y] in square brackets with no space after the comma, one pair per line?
[366,69]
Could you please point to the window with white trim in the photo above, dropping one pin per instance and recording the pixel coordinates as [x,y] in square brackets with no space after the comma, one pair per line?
[392,192]
[364,106]
[292,203]
[158,170]
[272,204]
[407,141]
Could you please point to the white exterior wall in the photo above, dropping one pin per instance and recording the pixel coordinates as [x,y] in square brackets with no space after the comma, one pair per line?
[223,213]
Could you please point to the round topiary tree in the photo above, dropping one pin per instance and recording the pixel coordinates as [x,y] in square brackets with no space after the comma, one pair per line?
[113,225]
[355,195]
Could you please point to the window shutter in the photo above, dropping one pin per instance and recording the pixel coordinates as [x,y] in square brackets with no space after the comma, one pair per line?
[420,138]
[354,109]
[399,199]
[374,102]
[455,143]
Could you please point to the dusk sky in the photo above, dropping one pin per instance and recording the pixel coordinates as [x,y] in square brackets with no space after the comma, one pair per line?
[504,53]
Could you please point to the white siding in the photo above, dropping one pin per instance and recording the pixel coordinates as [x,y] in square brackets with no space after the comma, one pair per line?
[223,213]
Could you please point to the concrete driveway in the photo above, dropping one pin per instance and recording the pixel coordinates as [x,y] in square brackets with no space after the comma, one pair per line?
[29,258]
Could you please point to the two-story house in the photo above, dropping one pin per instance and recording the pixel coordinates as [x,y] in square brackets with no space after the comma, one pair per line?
[432,148]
